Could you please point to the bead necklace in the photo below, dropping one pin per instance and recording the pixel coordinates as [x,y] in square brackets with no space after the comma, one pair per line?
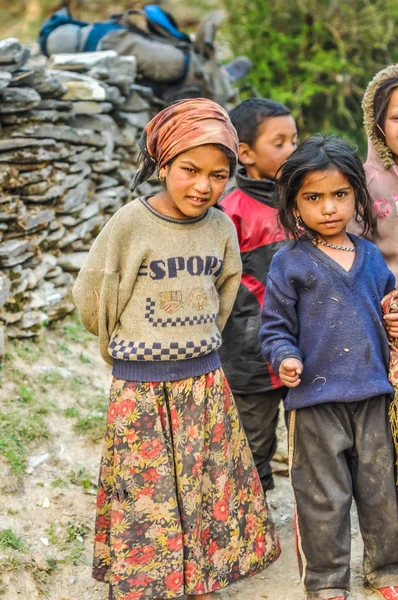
[334,246]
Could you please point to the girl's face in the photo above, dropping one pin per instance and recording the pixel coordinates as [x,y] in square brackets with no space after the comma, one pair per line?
[326,204]
[391,124]
[195,180]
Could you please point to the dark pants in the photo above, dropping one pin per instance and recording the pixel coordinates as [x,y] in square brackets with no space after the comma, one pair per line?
[337,452]
[259,415]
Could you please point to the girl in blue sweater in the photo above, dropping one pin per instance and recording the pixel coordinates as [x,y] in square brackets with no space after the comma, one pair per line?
[323,332]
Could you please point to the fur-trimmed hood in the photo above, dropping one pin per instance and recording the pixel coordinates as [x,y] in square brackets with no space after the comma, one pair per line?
[383,153]
[382,178]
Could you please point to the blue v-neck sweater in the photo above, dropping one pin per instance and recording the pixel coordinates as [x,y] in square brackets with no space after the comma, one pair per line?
[331,320]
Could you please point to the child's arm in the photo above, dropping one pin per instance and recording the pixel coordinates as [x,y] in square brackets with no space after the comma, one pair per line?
[227,284]
[391,319]
[279,332]
[104,284]
[88,288]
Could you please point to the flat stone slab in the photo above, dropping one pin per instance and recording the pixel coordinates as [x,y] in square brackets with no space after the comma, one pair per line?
[5,79]
[13,100]
[34,116]
[72,262]
[20,142]
[81,87]
[81,61]
[5,289]
[62,133]
[36,154]
[91,108]
[12,55]
[45,83]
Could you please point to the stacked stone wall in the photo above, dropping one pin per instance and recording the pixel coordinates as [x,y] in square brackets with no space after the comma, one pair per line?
[69,132]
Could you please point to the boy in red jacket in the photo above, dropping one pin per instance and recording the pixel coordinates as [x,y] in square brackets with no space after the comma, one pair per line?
[268,135]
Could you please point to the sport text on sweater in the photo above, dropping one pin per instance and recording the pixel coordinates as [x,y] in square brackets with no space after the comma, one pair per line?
[158,291]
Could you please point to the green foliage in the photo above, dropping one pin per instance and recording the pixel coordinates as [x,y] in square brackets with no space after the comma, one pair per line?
[316,56]
[15,434]
[8,539]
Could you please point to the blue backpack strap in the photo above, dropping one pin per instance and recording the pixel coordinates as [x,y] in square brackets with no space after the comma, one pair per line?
[61,17]
[98,31]
[160,19]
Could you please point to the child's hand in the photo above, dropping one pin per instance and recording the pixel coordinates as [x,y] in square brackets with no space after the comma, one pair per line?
[391,324]
[290,371]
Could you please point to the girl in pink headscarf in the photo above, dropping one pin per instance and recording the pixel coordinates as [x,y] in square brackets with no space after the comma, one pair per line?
[180,507]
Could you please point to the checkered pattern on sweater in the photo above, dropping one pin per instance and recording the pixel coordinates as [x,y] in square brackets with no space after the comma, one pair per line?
[190,320]
[123,350]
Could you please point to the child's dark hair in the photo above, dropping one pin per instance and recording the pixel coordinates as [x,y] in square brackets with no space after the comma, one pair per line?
[250,114]
[380,104]
[321,153]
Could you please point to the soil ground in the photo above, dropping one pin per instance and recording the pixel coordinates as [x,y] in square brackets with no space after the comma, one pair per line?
[53,397]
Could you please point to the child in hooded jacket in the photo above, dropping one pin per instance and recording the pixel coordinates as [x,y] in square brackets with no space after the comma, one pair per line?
[180,508]
[380,107]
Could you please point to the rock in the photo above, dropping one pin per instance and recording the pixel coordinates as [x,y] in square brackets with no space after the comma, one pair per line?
[72,262]
[91,108]
[21,142]
[37,154]
[135,103]
[19,279]
[80,87]
[14,248]
[11,210]
[14,100]
[139,119]
[44,541]
[16,260]
[94,122]
[35,218]
[32,319]
[5,79]
[61,133]
[42,564]
[45,83]
[59,105]
[107,182]
[106,166]
[35,461]
[12,55]
[120,72]
[34,116]
[81,61]
[5,289]
[2,343]
[60,310]
[74,198]
[10,317]
[38,273]
[128,137]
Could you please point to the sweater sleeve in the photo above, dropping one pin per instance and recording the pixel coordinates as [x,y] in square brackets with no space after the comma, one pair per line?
[105,282]
[227,284]
[280,326]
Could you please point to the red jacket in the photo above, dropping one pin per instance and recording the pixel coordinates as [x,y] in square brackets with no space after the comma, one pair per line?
[260,237]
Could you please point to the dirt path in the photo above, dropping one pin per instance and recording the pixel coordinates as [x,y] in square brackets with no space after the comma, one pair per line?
[47,502]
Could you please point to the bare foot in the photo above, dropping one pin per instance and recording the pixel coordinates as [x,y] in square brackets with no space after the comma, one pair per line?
[201,597]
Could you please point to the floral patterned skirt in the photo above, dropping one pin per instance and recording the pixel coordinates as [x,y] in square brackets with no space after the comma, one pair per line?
[180,507]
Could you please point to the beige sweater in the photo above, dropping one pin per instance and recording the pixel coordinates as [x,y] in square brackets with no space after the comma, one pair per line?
[159,289]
